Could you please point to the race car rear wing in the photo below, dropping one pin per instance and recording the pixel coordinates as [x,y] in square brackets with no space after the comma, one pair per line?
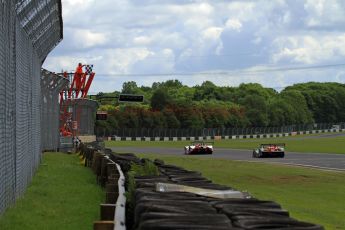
[274,144]
[203,142]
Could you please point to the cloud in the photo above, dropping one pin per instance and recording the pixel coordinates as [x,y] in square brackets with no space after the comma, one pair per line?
[142,40]
[233,24]
[174,36]
[212,33]
[322,13]
[309,49]
[88,39]
[196,8]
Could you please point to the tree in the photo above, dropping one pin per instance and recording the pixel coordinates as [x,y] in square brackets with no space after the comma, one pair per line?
[171,119]
[129,87]
[172,104]
[172,84]
[214,114]
[255,110]
[299,113]
[206,91]
[158,119]
[146,120]
[190,117]
[325,101]
[159,99]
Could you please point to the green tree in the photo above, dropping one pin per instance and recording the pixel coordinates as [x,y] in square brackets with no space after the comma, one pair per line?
[159,99]
[129,87]
[171,119]
[206,91]
[300,113]
[256,110]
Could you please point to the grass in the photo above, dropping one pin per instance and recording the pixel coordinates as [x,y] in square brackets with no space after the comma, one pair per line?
[293,144]
[62,195]
[148,169]
[310,195]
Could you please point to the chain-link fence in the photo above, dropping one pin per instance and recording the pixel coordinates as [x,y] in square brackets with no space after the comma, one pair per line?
[104,132]
[84,113]
[51,85]
[29,31]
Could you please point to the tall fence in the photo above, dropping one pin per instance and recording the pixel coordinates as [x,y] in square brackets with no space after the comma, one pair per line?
[29,31]
[85,111]
[51,85]
[103,132]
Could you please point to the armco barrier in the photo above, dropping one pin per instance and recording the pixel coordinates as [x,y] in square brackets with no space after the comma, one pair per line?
[110,175]
[208,138]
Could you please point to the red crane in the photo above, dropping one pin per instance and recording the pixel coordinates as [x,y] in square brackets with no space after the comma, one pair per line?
[80,82]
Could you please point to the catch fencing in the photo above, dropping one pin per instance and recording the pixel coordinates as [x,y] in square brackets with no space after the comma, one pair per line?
[30,29]
[84,113]
[211,132]
[51,85]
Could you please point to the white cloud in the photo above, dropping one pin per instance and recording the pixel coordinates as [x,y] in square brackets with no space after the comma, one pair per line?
[88,38]
[212,33]
[309,49]
[142,40]
[167,36]
[233,24]
[324,13]
[121,60]
[242,10]
[196,8]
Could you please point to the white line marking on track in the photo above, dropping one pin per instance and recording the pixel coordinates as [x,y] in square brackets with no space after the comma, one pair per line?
[299,165]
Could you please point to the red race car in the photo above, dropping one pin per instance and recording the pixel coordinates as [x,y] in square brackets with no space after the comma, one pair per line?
[270,150]
[199,147]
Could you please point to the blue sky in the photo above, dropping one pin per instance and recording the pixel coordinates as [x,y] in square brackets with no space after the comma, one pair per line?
[227,42]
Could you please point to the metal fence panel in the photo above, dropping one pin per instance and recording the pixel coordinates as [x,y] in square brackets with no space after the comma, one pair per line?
[85,111]
[7,111]
[51,85]
[21,58]
[211,132]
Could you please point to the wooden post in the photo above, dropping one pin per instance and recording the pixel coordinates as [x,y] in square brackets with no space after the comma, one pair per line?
[107,211]
[103,225]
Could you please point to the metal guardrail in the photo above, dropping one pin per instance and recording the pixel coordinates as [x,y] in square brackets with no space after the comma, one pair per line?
[120,210]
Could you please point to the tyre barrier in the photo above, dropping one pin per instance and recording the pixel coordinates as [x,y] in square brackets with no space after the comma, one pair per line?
[181,210]
[152,209]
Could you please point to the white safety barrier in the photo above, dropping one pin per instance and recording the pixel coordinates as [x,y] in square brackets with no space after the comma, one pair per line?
[120,209]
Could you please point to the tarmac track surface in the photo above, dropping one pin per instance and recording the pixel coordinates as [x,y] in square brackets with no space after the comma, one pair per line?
[326,161]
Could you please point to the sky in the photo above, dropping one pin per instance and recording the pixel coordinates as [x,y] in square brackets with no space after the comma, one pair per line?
[276,43]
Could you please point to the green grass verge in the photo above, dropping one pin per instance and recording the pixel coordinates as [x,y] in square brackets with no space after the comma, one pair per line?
[62,195]
[293,144]
[310,195]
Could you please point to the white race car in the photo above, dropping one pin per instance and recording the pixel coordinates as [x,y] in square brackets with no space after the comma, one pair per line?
[199,147]
[269,150]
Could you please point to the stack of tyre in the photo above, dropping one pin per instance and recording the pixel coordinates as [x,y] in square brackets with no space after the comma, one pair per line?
[180,210]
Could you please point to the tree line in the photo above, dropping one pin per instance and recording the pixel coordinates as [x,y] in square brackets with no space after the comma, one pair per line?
[171,104]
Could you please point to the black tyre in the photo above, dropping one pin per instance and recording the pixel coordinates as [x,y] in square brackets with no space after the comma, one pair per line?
[275,223]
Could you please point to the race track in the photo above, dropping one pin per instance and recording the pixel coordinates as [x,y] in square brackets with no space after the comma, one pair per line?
[316,160]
